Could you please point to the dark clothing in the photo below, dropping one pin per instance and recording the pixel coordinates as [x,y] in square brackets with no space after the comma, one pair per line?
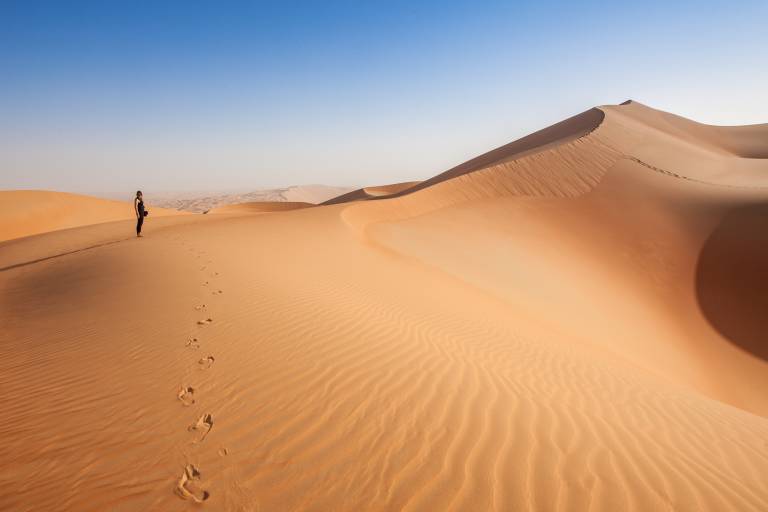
[140,208]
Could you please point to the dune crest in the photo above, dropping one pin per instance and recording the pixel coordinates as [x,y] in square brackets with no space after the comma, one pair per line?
[372,192]
[573,321]
[31,212]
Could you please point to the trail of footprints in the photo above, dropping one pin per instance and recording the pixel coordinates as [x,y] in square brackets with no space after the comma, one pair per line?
[202,426]
[205,362]
[189,485]
[186,395]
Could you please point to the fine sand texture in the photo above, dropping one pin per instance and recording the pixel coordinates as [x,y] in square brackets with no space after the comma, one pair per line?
[571,322]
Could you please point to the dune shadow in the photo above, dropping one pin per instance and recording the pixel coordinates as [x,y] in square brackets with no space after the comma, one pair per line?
[732,279]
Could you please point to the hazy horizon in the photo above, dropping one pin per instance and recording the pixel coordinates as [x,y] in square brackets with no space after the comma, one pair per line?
[99,98]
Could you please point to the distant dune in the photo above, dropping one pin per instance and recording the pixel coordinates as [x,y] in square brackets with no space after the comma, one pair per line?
[30,212]
[573,321]
[199,203]
[257,207]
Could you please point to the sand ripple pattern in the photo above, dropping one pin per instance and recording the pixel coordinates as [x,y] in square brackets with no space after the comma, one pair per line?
[337,374]
[567,170]
[387,400]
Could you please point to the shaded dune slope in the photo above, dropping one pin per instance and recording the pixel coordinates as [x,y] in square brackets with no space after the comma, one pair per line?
[597,197]
[333,389]
[732,278]
[388,190]
[540,332]
[372,192]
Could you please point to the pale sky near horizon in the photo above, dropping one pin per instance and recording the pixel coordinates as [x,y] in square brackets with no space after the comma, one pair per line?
[105,97]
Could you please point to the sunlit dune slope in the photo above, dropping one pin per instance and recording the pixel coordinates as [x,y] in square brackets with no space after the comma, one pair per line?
[30,212]
[571,324]
[559,133]
[615,212]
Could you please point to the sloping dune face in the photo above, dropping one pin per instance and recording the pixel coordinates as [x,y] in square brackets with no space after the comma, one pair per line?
[30,212]
[388,190]
[378,191]
[732,278]
[546,331]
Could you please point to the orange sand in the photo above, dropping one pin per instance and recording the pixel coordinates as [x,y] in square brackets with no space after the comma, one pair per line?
[260,207]
[30,212]
[571,322]
[378,192]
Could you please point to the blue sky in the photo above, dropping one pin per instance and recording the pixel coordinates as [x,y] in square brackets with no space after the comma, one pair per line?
[101,97]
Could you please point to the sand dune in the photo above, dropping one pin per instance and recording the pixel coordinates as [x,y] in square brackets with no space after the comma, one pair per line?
[204,202]
[378,192]
[30,212]
[388,190]
[571,322]
[260,207]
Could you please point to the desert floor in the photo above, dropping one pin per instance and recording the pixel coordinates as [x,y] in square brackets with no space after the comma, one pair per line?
[573,322]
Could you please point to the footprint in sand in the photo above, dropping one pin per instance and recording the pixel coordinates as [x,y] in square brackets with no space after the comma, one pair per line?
[216,292]
[205,362]
[187,487]
[205,322]
[201,306]
[202,426]
[186,395]
[193,343]
[205,283]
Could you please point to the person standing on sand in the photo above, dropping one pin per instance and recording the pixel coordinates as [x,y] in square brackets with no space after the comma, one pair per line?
[138,206]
